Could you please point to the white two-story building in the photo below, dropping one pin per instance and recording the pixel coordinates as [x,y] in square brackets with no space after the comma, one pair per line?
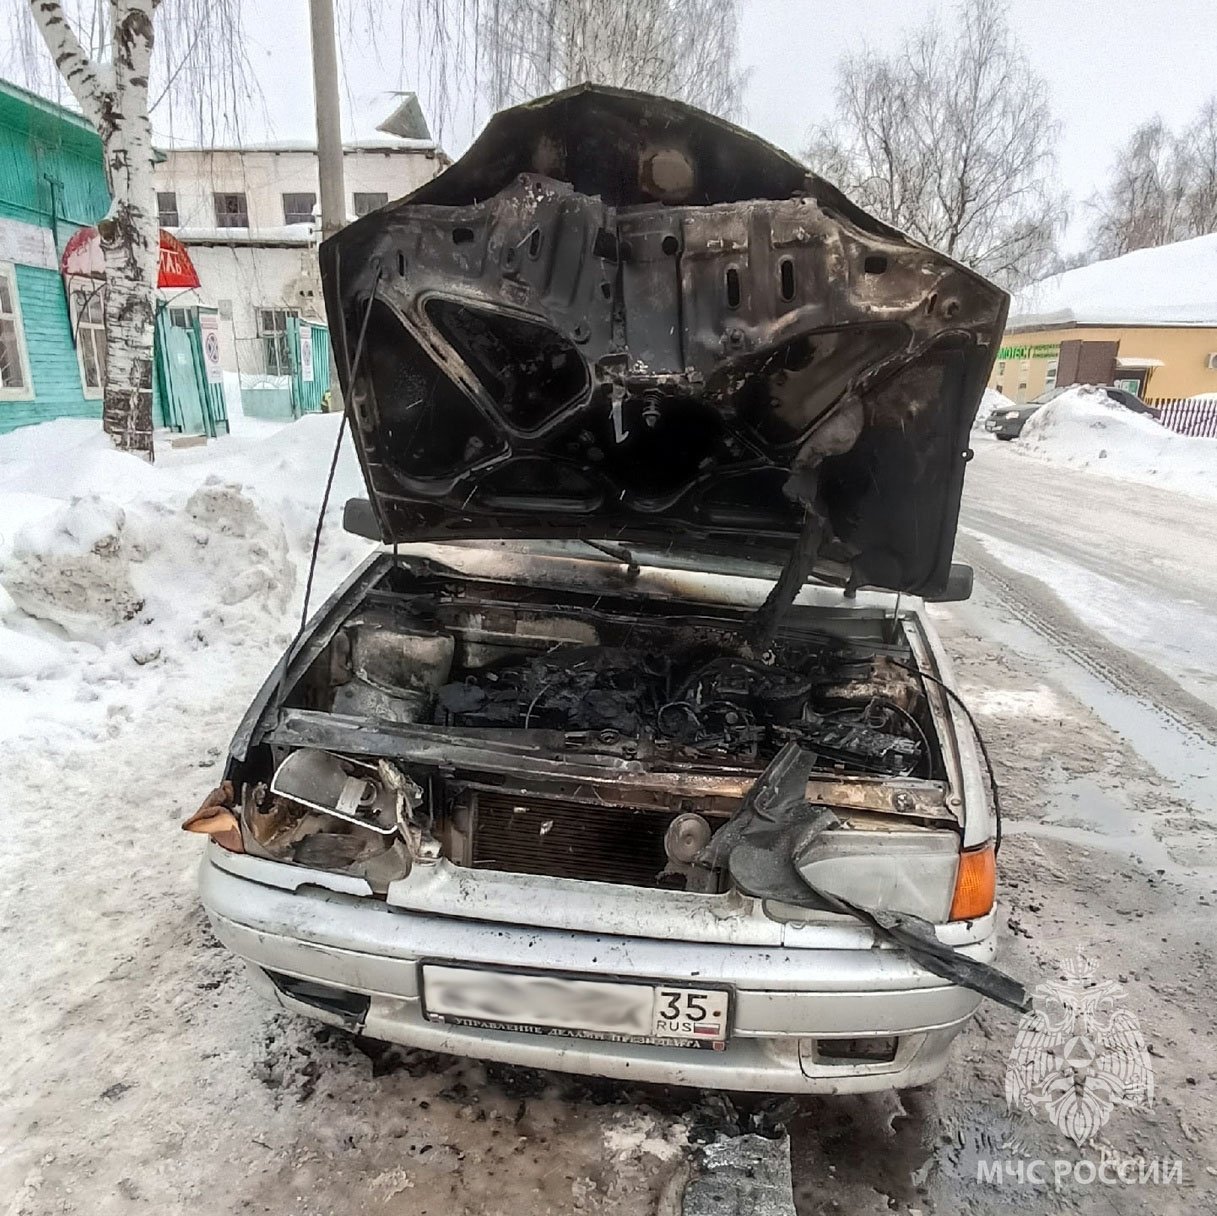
[249,218]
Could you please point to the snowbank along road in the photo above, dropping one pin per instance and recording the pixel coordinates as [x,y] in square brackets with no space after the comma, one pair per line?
[140,1073]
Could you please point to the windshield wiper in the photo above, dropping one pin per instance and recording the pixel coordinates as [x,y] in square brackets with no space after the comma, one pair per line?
[618,553]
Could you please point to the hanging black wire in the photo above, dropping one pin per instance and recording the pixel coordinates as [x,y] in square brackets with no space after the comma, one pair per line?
[352,368]
[980,739]
[342,426]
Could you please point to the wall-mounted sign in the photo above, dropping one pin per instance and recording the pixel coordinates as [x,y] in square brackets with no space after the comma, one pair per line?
[1045,350]
[306,353]
[27,245]
[209,327]
[83,259]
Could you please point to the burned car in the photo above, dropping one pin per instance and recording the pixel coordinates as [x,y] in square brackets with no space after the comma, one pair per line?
[632,751]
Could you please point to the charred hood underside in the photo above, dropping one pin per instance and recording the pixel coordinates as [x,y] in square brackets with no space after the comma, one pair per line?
[619,318]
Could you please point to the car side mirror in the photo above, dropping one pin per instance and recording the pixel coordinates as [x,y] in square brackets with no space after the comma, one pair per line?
[359,519]
[959,585]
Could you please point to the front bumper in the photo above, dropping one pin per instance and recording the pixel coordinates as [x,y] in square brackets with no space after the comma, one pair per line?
[785,999]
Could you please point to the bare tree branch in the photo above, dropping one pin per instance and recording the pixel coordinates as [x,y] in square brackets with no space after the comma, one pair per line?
[103,50]
[953,140]
[687,50]
[441,36]
[1163,187]
[499,52]
[71,60]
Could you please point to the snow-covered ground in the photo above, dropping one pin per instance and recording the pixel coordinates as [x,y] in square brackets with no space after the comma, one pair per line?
[1085,429]
[1134,565]
[143,606]
[1182,641]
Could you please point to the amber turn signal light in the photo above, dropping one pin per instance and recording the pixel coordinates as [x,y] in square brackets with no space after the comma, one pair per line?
[975,883]
[215,819]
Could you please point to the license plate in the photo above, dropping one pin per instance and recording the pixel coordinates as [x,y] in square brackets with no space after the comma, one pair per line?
[549,1004]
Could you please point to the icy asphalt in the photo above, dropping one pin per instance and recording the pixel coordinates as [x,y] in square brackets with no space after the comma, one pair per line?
[140,1075]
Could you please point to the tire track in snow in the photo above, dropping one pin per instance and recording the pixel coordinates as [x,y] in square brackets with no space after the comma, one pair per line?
[1040,609]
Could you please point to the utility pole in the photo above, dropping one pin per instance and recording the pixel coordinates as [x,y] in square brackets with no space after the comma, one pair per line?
[329,116]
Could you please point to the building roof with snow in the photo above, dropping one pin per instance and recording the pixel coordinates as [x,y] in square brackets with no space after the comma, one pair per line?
[264,234]
[350,147]
[1171,285]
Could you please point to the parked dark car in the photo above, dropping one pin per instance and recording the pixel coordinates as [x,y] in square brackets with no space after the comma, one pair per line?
[1008,424]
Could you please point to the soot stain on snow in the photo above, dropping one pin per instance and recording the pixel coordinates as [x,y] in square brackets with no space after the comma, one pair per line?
[455,1134]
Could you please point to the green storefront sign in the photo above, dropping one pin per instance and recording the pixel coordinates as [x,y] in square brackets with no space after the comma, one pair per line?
[1046,350]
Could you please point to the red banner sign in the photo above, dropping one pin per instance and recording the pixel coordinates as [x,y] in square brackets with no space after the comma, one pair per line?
[82,258]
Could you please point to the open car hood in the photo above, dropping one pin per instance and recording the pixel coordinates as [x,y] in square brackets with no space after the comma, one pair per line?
[619,318]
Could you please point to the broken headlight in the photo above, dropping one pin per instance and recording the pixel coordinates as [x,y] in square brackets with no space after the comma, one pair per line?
[333,812]
[910,871]
[323,811]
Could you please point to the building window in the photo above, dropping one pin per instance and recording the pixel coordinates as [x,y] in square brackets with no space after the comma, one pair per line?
[1050,376]
[367,201]
[89,324]
[1020,395]
[232,211]
[14,361]
[166,208]
[1001,367]
[298,208]
[272,330]
[181,318]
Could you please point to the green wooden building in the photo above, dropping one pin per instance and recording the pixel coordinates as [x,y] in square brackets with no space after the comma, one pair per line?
[52,182]
[52,328]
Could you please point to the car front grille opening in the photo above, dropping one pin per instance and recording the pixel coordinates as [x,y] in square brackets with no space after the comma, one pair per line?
[570,839]
[879,1050]
[351,1006]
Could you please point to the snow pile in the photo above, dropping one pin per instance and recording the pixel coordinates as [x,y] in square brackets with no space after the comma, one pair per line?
[991,403]
[1084,428]
[143,606]
[1171,285]
[122,583]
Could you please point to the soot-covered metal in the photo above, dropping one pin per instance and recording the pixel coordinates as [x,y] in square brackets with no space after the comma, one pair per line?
[727,707]
[618,317]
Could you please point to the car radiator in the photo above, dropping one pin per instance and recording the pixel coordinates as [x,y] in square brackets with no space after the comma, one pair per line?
[528,835]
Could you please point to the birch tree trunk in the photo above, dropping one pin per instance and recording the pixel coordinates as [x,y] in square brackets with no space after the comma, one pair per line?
[114,97]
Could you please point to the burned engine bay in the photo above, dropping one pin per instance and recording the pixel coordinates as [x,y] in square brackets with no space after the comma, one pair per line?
[669,699]
[583,740]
